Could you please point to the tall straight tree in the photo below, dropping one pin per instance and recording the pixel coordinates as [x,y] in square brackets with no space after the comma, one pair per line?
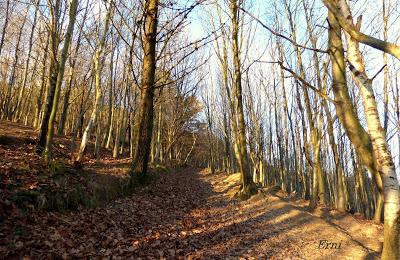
[382,155]
[8,108]
[145,124]
[318,188]
[339,13]
[345,110]
[248,186]
[19,105]
[73,6]
[72,62]
[98,66]
[54,41]
[4,31]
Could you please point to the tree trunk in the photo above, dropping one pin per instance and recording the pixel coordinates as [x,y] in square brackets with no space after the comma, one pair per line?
[346,112]
[145,120]
[318,190]
[6,18]
[8,108]
[19,106]
[37,121]
[71,80]
[53,72]
[65,105]
[98,65]
[60,75]
[381,154]
[248,188]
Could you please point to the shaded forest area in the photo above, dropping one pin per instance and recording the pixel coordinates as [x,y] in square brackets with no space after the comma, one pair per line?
[199,129]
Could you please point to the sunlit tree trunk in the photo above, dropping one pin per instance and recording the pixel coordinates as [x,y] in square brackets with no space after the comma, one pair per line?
[60,76]
[71,78]
[209,116]
[8,107]
[318,190]
[55,10]
[385,17]
[159,134]
[39,98]
[98,65]
[145,120]
[381,153]
[26,106]
[5,25]
[248,187]
[120,130]
[346,112]
[109,125]
[223,58]
[282,180]
[19,104]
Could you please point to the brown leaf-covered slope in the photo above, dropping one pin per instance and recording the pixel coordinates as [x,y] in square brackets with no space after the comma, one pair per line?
[189,214]
[21,169]
[27,183]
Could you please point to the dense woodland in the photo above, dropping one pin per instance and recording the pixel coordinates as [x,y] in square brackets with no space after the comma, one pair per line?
[298,94]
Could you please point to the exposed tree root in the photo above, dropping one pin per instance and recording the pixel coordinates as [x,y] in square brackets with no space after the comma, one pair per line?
[245,192]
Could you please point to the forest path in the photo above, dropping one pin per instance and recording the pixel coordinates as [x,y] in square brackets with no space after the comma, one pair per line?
[189,213]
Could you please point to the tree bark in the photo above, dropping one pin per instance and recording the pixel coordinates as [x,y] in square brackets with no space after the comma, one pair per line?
[318,190]
[8,107]
[145,120]
[248,187]
[346,112]
[19,106]
[60,76]
[53,72]
[98,65]
[381,153]
[3,33]
[37,120]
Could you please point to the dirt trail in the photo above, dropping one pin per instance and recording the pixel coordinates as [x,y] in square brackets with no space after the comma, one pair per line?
[189,214]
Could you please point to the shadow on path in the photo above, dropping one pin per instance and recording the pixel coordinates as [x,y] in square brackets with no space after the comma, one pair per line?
[188,214]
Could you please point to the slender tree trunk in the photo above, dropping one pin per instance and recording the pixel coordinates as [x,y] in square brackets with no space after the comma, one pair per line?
[71,78]
[60,76]
[159,135]
[98,65]
[315,133]
[4,31]
[386,69]
[8,108]
[248,187]
[19,106]
[26,106]
[223,58]
[110,129]
[37,121]
[382,155]
[53,73]
[209,134]
[282,180]
[65,105]
[110,98]
[145,120]
[346,112]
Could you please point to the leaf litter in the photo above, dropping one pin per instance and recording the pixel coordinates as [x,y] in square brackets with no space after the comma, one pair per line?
[188,214]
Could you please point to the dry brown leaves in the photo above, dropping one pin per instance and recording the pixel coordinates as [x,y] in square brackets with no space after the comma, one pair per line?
[185,214]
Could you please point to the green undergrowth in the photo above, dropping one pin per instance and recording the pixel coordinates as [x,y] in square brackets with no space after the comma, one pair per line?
[67,189]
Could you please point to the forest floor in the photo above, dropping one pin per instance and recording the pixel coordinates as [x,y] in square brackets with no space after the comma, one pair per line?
[185,214]
[189,214]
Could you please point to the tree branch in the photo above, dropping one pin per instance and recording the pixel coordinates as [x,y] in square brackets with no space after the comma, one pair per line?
[279,34]
[384,46]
